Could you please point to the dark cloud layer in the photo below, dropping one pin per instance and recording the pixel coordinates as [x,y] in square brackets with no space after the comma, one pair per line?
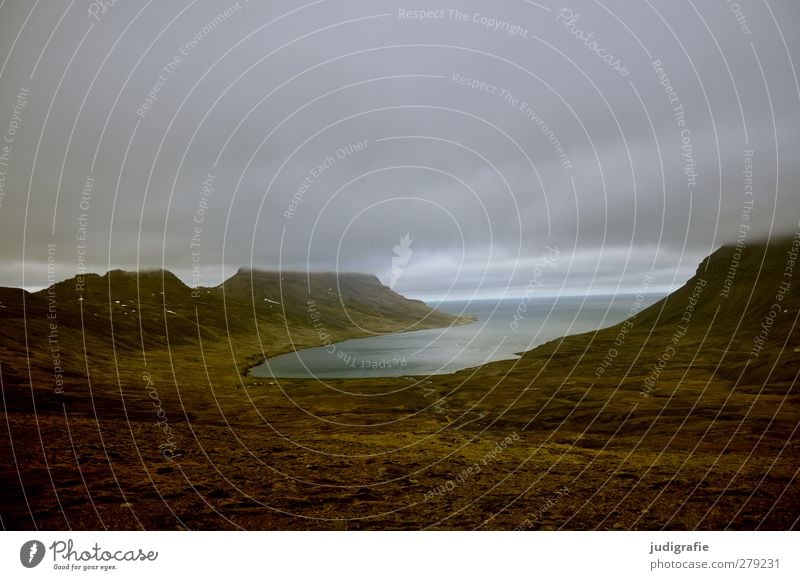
[316,136]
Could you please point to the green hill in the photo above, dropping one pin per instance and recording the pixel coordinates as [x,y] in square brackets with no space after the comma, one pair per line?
[128,312]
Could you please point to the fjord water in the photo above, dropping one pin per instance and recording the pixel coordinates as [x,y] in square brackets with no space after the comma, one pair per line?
[494,337]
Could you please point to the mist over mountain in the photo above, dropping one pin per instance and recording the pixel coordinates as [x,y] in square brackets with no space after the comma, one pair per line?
[590,212]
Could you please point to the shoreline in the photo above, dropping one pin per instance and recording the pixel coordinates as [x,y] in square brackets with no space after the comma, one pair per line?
[462,319]
[248,366]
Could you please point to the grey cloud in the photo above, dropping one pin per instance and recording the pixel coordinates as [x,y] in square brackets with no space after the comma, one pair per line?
[475,177]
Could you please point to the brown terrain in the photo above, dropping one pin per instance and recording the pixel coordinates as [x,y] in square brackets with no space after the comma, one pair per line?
[127,405]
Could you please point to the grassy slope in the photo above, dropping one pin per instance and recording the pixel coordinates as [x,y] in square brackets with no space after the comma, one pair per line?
[123,327]
[712,445]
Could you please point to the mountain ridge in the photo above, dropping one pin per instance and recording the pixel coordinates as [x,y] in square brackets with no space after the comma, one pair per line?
[122,313]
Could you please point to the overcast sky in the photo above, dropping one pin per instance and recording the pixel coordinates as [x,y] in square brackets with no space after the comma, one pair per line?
[616,133]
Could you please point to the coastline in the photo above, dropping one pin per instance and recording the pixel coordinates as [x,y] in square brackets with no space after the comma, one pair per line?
[249,365]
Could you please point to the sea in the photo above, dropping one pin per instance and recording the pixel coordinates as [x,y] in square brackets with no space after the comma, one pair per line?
[504,329]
